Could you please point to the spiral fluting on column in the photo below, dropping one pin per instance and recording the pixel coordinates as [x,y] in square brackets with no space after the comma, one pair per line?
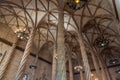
[6,60]
[25,56]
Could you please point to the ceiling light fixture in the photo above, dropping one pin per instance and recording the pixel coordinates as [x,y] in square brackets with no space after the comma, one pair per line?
[101,42]
[113,61]
[77,1]
[76,4]
[21,33]
[78,68]
[118,71]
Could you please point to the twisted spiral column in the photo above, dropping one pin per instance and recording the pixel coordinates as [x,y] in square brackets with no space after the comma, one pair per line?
[84,57]
[6,60]
[25,55]
[2,58]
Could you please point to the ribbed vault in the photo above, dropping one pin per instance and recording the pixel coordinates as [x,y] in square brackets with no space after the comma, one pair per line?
[96,19]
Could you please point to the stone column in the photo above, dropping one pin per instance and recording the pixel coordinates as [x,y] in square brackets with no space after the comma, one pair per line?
[61,61]
[69,55]
[81,75]
[105,69]
[96,65]
[54,64]
[104,76]
[84,57]
[70,66]
[34,67]
[6,59]
[25,55]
